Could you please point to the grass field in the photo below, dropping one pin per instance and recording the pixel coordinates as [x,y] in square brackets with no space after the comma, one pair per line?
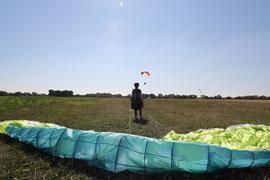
[21,161]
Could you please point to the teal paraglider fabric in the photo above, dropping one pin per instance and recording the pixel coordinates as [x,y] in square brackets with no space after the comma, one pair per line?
[118,152]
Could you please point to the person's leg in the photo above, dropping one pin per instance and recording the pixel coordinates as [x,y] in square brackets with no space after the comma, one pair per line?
[135,112]
[141,114]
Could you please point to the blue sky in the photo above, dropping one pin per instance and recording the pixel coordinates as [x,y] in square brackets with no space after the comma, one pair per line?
[89,46]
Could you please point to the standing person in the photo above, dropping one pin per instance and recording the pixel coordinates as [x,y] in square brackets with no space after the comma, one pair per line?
[137,101]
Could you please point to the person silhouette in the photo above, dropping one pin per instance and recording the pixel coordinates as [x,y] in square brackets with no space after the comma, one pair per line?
[137,101]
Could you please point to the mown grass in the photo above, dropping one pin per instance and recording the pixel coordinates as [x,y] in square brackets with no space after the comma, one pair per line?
[21,161]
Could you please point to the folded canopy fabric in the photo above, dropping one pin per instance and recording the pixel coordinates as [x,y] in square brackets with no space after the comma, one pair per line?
[118,152]
[241,137]
[25,123]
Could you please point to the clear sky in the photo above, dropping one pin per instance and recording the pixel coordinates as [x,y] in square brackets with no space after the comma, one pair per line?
[88,46]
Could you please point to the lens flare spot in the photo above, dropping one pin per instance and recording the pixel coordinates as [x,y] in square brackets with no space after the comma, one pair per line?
[121,4]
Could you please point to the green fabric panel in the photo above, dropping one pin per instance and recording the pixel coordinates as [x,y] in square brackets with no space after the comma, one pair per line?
[15,123]
[21,123]
[248,137]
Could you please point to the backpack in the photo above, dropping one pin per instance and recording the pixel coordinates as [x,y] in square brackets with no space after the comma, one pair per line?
[136,95]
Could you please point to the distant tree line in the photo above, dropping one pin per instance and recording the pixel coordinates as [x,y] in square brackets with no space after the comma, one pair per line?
[101,95]
[4,93]
[249,97]
[170,96]
[59,93]
[67,93]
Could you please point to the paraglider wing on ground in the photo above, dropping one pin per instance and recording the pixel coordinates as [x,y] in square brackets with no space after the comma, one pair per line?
[118,152]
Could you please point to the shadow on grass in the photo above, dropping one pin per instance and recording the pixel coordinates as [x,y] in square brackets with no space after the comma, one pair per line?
[66,168]
[140,121]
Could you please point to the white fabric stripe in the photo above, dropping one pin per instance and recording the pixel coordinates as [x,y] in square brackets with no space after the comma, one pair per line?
[34,123]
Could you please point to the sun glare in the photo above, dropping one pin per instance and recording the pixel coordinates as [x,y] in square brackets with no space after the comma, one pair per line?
[121,4]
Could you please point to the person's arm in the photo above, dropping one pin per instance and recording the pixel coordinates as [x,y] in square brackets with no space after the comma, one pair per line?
[141,96]
[133,95]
